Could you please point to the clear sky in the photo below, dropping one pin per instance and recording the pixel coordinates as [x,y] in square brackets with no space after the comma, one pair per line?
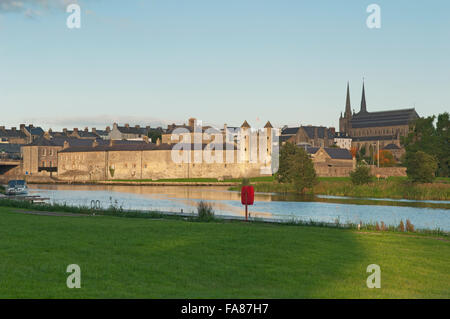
[287,61]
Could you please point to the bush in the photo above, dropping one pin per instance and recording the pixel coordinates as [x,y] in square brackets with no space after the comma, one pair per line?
[205,211]
[245,182]
[421,167]
[361,175]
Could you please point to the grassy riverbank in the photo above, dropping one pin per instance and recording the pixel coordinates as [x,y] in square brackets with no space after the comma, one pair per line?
[396,188]
[163,258]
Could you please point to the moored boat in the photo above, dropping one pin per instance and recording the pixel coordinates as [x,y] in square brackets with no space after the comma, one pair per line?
[17,187]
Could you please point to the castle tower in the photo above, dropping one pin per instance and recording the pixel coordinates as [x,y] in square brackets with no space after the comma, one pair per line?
[268,130]
[244,142]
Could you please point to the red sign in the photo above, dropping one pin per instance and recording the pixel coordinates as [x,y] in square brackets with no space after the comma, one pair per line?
[247,195]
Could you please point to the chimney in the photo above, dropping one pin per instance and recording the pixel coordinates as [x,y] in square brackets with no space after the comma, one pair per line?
[2,128]
[147,127]
[127,125]
[86,129]
[13,129]
[94,130]
[108,129]
[115,126]
[192,121]
[22,127]
[332,130]
[137,126]
[31,125]
[50,130]
[64,130]
[75,129]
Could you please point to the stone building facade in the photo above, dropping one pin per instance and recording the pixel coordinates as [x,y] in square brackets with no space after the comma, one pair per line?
[331,162]
[313,136]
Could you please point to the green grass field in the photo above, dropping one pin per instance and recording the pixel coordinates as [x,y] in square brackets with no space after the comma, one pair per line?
[163,258]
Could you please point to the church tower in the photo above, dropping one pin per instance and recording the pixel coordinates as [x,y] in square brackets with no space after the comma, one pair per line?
[344,121]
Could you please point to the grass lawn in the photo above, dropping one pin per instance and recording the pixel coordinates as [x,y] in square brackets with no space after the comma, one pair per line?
[160,258]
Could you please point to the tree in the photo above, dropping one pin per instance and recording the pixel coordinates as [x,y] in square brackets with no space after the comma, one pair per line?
[386,158]
[361,175]
[155,134]
[420,167]
[296,167]
[431,139]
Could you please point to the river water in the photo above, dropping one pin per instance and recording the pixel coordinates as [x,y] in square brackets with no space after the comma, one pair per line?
[423,214]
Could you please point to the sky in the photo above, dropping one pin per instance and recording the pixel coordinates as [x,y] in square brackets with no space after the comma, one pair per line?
[157,62]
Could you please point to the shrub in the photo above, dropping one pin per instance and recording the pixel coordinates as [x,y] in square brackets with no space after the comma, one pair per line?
[420,167]
[361,175]
[245,182]
[205,211]
[409,226]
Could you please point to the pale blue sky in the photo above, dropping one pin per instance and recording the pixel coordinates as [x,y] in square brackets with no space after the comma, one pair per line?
[287,61]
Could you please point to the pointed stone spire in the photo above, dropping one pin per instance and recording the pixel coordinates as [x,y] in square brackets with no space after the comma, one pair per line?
[363,101]
[348,110]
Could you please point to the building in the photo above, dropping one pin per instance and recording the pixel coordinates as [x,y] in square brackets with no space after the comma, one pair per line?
[128,132]
[40,158]
[314,136]
[336,162]
[342,140]
[13,136]
[367,129]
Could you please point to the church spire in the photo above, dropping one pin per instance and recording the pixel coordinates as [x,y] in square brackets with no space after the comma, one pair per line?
[348,111]
[363,101]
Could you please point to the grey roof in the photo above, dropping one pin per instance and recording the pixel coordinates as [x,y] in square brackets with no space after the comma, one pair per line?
[59,141]
[10,148]
[335,153]
[290,131]
[321,131]
[391,146]
[5,133]
[142,146]
[133,130]
[35,131]
[374,138]
[384,118]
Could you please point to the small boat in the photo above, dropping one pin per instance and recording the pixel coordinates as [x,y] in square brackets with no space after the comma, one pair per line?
[17,187]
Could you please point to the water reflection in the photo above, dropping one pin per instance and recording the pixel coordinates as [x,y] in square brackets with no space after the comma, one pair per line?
[425,214]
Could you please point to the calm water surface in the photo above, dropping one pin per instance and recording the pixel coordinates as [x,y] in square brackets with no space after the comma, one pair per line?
[271,206]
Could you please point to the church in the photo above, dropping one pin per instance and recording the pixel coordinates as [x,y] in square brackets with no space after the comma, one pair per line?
[367,129]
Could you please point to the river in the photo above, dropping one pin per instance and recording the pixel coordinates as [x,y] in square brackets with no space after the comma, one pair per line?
[423,214]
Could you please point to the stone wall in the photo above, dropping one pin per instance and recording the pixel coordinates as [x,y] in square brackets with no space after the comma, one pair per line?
[388,171]
[148,164]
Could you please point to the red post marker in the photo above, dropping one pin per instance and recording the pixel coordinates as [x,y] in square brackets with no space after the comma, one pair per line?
[247,198]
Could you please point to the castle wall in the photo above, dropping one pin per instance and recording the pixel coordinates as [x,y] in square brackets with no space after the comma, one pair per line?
[148,164]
